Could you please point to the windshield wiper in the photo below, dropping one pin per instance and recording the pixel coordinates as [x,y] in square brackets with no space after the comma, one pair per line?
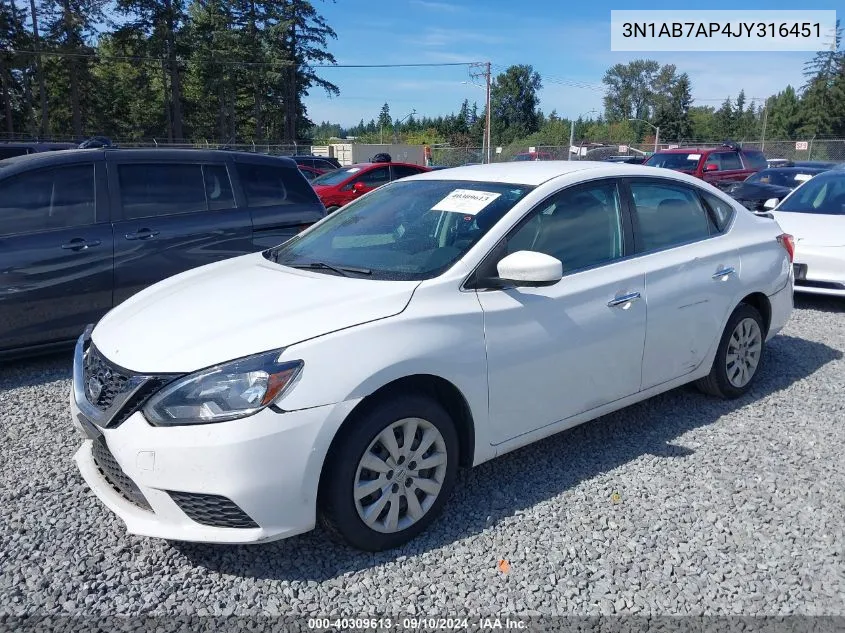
[340,270]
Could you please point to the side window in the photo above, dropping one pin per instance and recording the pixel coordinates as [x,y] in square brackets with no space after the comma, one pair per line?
[402,171]
[730,160]
[375,177]
[323,164]
[149,190]
[218,187]
[48,199]
[720,210]
[268,185]
[581,227]
[668,215]
[755,159]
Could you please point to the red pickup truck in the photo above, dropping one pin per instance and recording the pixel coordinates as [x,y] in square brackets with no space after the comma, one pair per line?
[719,166]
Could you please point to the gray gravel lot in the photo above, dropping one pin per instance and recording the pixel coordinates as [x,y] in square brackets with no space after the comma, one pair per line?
[722,508]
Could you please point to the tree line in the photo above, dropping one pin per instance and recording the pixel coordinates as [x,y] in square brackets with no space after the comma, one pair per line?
[166,69]
[642,89]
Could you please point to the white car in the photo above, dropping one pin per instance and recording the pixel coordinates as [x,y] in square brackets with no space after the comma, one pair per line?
[436,322]
[815,214]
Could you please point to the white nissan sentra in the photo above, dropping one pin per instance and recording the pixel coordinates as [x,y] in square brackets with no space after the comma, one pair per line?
[434,323]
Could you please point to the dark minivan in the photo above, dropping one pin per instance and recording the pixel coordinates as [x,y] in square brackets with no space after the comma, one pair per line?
[83,230]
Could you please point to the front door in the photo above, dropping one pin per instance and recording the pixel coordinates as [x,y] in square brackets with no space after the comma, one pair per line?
[55,256]
[557,351]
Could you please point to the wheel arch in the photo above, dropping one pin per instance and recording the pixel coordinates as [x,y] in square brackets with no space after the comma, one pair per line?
[436,387]
[761,303]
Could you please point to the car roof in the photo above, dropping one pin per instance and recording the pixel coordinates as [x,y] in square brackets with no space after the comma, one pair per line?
[537,172]
[73,155]
[695,150]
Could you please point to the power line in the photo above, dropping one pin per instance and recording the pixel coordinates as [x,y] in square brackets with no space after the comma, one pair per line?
[135,58]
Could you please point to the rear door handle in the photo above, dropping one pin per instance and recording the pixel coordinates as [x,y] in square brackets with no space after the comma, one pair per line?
[623,300]
[142,234]
[724,273]
[80,244]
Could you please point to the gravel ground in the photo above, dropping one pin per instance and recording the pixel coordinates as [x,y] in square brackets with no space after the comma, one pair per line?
[684,504]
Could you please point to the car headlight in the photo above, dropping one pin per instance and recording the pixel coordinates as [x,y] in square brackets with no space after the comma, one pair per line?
[228,391]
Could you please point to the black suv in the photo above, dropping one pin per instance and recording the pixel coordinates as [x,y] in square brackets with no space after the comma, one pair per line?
[83,230]
[320,163]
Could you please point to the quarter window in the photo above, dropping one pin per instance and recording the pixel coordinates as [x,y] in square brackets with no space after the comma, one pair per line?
[148,190]
[218,187]
[267,185]
[48,199]
[581,227]
[668,215]
[720,210]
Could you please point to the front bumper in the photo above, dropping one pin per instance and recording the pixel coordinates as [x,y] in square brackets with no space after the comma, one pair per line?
[268,465]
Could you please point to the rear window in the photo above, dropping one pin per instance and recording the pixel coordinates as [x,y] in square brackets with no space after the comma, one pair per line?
[824,194]
[680,162]
[271,185]
[755,159]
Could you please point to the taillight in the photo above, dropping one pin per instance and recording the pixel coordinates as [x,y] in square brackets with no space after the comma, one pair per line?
[788,243]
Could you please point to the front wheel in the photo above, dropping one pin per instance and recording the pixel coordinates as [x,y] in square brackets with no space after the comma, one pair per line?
[739,355]
[388,477]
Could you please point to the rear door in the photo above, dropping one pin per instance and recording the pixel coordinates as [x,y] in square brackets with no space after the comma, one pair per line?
[691,276]
[280,200]
[55,255]
[173,215]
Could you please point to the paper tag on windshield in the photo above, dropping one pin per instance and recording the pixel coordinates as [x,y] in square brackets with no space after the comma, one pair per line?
[352,170]
[693,156]
[802,177]
[466,201]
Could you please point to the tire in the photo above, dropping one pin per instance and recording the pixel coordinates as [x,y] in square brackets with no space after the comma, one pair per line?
[744,339]
[331,210]
[343,515]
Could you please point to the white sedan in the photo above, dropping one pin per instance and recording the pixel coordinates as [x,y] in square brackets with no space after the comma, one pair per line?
[815,214]
[436,322]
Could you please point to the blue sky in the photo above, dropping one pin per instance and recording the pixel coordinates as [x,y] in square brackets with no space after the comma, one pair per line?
[566,42]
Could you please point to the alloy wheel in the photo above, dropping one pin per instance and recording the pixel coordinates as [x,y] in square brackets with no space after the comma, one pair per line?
[743,354]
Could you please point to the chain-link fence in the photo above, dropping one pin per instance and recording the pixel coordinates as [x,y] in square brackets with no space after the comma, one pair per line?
[832,150]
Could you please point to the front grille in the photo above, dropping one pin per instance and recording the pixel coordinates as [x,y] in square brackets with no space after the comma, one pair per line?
[212,510]
[114,475]
[104,381]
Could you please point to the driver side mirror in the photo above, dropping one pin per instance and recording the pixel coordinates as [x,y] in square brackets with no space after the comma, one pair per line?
[771,203]
[358,187]
[530,268]
[711,167]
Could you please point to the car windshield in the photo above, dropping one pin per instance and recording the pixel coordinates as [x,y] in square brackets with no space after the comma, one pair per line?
[683,162]
[824,194]
[335,177]
[407,230]
[781,178]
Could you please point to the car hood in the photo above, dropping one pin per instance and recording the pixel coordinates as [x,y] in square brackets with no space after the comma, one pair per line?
[235,308]
[812,229]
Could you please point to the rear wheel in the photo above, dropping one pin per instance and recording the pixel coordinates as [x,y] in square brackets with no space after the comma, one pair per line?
[390,474]
[739,355]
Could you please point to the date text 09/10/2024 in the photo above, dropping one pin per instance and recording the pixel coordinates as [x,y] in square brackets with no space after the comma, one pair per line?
[416,623]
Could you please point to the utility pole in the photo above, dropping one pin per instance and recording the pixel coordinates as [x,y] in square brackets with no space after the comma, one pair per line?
[765,116]
[478,71]
[487,125]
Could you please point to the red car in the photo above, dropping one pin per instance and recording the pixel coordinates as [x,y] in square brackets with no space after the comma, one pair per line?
[343,185]
[309,172]
[532,156]
[719,166]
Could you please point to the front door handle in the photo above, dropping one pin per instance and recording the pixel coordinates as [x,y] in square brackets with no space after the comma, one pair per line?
[80,244]
[141,234]
[723,274]
[623,301]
